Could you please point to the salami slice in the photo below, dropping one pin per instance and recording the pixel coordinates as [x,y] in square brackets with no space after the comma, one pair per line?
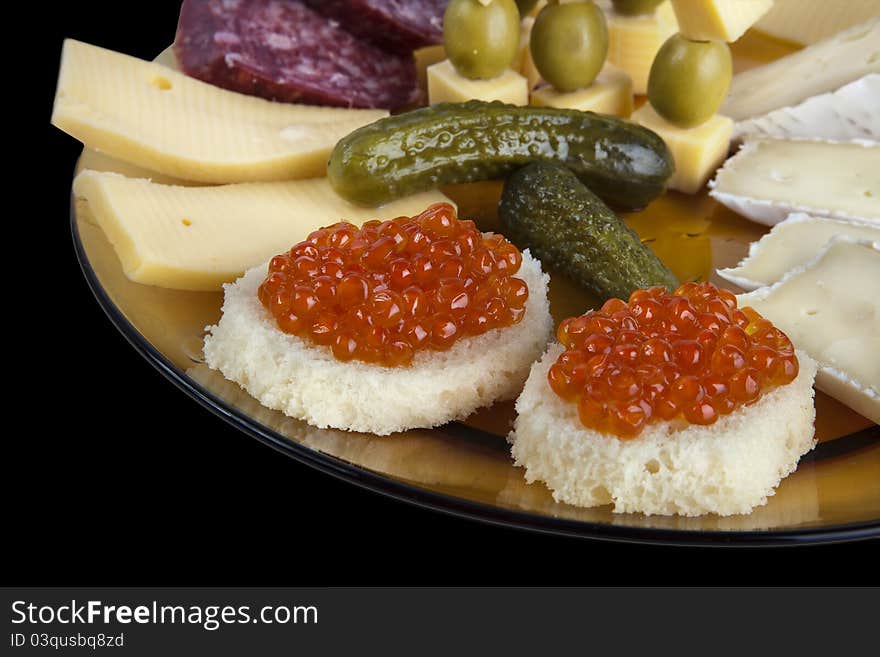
[395,25]
[282,50]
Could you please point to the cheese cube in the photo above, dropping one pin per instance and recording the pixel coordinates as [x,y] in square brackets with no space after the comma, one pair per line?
[446,85]
[697,151]
[610,93]
[425,57]
[718,20]
[633,41]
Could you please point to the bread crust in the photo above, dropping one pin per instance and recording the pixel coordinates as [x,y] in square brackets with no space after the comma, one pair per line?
[727,468]
[305,381]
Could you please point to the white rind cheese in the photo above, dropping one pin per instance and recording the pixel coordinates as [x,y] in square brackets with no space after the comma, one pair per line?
[768,179]
[792,243]
[809,21]
[851,112]
[818,69]
[159,119]
[197,238]
[830,308]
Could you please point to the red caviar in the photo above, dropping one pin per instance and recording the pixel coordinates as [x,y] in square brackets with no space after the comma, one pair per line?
[384,291]
[691,355]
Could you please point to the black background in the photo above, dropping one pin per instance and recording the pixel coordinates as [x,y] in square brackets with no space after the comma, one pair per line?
[115,477]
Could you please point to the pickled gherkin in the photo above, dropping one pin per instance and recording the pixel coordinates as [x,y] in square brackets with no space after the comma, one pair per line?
[625,164]
[545,208]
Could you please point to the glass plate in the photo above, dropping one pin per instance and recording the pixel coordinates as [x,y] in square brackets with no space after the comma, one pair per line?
[465,467]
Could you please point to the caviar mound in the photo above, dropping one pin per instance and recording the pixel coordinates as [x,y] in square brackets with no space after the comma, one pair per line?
[383,292]
[305,381]
[691,356]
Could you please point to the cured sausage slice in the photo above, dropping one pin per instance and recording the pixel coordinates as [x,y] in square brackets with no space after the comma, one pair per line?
[282,50]
[395,25]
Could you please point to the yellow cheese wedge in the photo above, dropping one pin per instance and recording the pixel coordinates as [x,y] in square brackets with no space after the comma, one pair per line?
[809,21]
[697,151]
[156,118]
[633,41]
[446,85]
[717,20]
[830,308]
[610,93]
[197,238]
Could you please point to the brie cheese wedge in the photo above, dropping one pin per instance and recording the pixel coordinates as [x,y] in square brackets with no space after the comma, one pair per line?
[830,308]
[792,243]
[851,112]
[768,179]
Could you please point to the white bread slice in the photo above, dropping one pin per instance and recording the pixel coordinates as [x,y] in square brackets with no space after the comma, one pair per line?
[305,381]
[671,468]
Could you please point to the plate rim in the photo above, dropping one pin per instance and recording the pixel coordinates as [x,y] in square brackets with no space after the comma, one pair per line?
[437,501]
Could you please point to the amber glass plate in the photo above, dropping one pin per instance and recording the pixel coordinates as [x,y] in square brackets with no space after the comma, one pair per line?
[465,467]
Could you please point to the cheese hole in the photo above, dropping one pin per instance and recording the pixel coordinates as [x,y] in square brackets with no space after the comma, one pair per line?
[186,222]
[867,194]
[161,83]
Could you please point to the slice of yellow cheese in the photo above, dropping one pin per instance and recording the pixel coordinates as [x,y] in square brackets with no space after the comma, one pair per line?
[610,93]
[197,238]
[697,151]
[156,118]
[717,20]
[446,85]
[633,41]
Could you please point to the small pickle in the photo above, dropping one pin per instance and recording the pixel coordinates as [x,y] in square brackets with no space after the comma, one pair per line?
[689,80]
[481,39]
[545,208]
[449,143]
[635,7]
[569,44]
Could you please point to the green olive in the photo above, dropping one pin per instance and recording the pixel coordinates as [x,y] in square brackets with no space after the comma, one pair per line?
[569,43]
[689,80]
[635,7]
[525,6]
[481,40]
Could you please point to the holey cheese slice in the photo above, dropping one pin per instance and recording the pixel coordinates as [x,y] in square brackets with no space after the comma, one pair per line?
[790,244]
[830,308]
[197,238]
[818,69]
[768,179]
[156,118]
[850,113]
